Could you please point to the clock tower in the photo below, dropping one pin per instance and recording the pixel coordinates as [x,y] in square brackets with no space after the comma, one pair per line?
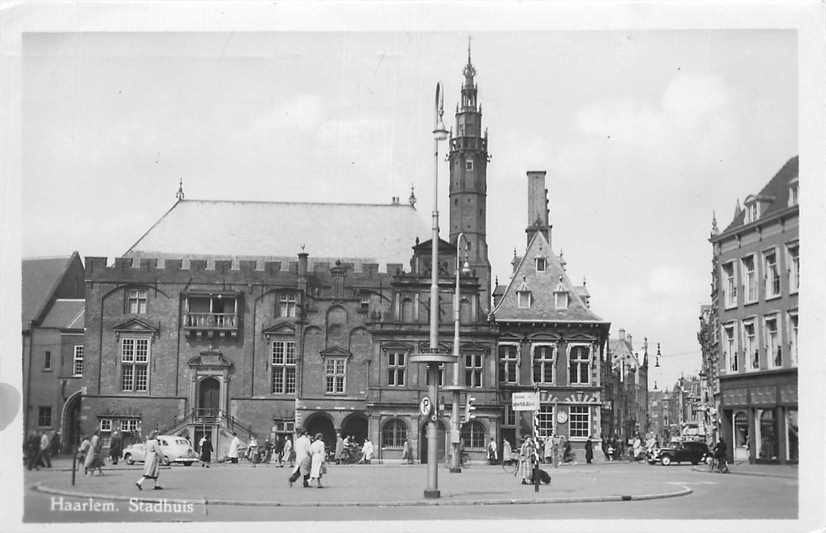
[468,182]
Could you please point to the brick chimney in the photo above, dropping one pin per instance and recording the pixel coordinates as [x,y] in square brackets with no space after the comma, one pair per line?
[538,216]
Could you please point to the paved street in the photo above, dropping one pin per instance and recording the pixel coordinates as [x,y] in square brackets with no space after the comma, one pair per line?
[394,492]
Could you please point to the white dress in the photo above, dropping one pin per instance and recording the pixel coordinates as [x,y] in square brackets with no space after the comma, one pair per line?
[233,448]
[317,452]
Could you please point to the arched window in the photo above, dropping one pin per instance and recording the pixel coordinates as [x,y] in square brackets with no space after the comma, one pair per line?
[393,434]
[473,435]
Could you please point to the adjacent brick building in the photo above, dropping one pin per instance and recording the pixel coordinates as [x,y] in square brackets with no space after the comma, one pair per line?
[755,283]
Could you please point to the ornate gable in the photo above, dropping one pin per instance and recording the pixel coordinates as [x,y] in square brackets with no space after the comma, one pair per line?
[136,325]
[281,328]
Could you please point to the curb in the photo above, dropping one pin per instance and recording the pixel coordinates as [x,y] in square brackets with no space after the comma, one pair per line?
[405,503]
[756,474]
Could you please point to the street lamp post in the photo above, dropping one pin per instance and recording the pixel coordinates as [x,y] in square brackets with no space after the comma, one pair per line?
[456,460]
[432,357]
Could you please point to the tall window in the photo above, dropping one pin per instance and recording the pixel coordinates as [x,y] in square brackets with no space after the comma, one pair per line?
[473,434]
[750,345]
[546,420]
[283,367]
[335,370]
[508,363]
[793,193]
[393,434]
[44,416]
[793,338]
[77,361]
[540,264]
[137,301]
[473,370]
[793,262]
[523,299]
[730,284]
[287,304]
[47,360]
[396,365]
[580,420]
[774,349]
[579,365]
[750,279]
[772,274]
[752,212]
[134,359]
[543,363]
[510,415]
[407,310]
[729,349]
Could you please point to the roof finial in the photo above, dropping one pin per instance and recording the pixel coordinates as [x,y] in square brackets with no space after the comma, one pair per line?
[468,49]
[714,229]
[412,198]
[180,194]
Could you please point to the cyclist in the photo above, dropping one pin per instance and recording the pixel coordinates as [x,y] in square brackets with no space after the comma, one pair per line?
[720,455]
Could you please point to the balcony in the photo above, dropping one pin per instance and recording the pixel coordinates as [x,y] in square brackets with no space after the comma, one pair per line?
[211,323]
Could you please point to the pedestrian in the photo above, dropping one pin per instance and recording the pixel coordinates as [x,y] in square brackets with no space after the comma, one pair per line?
[302,459]
[80,456]
[637,446]
[252,450]
[527,459]
[555,442]
[317,454]
[339,448]
[611,450]
[288,455]
[45,449]
[206,451]
[115,447]
[278,451]
[548,450]
[406,455]
[94,458]
[152,462]
[31,448]
[568,456]
[507,451]
[367,451]
[234,447]
[493,457]
[589,450]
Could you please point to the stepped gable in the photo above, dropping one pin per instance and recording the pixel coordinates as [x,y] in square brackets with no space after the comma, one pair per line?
[542,286]
[777,190]
[368,233]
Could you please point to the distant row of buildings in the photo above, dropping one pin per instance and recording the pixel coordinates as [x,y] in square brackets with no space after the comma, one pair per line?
[212,323]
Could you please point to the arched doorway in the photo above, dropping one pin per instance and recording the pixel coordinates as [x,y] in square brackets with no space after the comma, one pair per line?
[440,440]
[70,423]
[209,397]
[355,426]
[321,423]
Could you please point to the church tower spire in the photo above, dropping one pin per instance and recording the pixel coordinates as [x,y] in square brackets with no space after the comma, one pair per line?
[469,158]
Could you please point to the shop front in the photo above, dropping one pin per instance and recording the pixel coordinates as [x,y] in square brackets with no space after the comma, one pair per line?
[759,421]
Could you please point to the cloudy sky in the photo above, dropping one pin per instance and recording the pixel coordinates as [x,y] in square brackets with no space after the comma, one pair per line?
[644,134]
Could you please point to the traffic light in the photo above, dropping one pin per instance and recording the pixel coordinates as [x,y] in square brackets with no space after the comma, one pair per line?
[469,408]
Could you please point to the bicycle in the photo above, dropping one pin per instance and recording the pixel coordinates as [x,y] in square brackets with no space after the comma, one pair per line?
[510,465]
[718,464]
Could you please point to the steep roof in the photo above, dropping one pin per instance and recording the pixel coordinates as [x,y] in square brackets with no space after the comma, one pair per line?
[542,286]
[65,314]
[776,191]
[41,278]
[367,232]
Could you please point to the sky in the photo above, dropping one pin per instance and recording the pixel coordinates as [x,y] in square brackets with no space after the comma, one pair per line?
[644,134]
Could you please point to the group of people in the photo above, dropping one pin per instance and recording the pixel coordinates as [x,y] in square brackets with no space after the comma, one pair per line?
[348,450]
[310,458]
[39,449]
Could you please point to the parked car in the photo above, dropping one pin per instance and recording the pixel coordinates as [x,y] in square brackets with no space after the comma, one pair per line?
[175,450]
[680,452]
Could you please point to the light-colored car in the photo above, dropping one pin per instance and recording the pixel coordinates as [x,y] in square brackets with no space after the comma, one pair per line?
[174,449]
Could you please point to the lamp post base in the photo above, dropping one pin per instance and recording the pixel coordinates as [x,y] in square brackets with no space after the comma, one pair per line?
[431,493]
[455,470]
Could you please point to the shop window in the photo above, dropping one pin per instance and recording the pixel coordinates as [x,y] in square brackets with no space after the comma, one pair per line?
[545,417]
[791,435]
[766,438]
[579,421]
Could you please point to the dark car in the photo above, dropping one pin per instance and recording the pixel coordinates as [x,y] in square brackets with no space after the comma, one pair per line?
[680,452]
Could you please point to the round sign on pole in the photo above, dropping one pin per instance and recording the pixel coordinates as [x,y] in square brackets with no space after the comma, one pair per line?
[425,406]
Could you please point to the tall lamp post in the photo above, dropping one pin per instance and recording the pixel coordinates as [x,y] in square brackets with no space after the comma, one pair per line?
[455,433]
[432,358]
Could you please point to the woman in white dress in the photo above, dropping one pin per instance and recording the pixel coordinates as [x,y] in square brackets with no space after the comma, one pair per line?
[152,462]
[318,453]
